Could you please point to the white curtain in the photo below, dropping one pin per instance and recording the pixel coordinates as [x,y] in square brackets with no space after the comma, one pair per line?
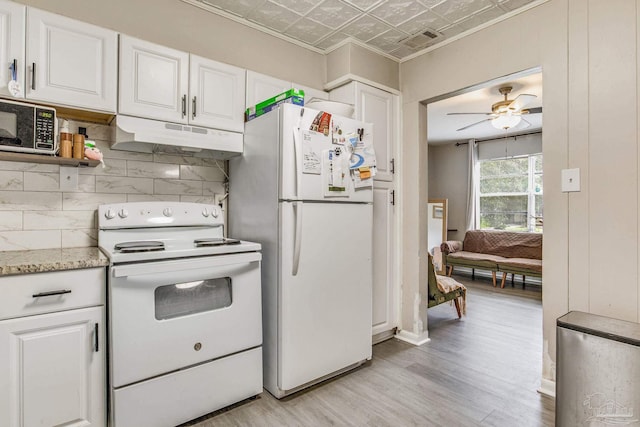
[473,186]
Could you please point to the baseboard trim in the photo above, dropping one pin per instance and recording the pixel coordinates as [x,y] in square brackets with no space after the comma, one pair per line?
[411,338]
[547,388]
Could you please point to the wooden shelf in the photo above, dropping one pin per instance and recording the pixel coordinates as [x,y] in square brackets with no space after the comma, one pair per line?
[42,158]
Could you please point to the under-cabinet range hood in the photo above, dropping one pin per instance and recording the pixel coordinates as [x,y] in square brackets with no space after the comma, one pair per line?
[151,136]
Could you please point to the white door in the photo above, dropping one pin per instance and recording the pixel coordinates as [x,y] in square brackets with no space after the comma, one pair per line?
[385,295]
[154,81]
[12,23]
[261,87]
[216,94]
[380,108]
[325,289]
[70,62]
[53,370]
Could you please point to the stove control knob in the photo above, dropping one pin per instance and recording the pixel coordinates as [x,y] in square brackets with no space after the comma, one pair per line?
[123,213]
[110,214]
[214,213]
[167,212]
[205,212]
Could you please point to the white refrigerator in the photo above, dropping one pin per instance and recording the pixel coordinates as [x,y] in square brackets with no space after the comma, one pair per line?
[303,189]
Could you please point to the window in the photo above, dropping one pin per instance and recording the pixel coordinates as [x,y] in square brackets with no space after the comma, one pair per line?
[511,194]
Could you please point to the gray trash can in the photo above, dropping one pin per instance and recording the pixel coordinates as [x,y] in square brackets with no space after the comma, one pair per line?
[598,371]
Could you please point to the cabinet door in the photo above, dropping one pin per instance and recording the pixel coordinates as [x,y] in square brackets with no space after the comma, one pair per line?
[153,81]
[53,369]
[70,62]
[261,87]
[380,108]
[385,297]
[12,22]
[216,94]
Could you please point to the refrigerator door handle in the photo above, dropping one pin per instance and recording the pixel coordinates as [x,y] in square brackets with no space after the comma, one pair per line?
[297,239]
[298,156]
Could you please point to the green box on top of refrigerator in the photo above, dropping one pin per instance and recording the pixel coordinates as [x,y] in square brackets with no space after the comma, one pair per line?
[292,96]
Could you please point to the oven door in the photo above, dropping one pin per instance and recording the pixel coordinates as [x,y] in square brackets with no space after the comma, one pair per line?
[168,315]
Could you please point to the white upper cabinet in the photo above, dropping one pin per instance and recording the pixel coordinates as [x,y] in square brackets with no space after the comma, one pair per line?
[70,62]
[154,81]
[160,83]
[217,94]
[261,87]
[12,34]
[379,107]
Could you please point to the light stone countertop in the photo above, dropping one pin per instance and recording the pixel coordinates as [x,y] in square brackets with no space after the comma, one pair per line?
[43,260]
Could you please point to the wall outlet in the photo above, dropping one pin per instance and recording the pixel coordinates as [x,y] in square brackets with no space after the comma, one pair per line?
[570,180]
[68,178]
[219,199]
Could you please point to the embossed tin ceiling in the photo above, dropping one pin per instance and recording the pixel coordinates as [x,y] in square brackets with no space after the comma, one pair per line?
[398,28]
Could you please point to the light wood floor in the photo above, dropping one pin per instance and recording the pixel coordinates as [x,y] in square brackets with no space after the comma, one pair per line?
[483,370]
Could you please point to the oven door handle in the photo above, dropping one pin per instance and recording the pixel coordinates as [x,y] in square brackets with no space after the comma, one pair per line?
[297,238]
[170,266]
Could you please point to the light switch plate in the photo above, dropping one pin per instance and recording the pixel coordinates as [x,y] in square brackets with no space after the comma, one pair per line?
[68,178]
[570,180]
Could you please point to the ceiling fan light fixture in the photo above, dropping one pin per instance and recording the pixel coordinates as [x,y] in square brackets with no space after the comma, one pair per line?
[505,121]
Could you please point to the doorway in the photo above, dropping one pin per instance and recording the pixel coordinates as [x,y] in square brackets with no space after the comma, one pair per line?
[500,188]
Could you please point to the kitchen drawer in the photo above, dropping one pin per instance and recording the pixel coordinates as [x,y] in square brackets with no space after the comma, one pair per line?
[87,288]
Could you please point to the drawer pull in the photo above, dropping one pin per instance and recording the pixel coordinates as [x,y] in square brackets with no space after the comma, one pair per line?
[52,293]
[97,338]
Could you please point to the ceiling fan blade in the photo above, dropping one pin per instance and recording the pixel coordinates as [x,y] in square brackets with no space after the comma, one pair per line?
[534,110]
[473,124]
[525,123]
[458,114]
[522,100]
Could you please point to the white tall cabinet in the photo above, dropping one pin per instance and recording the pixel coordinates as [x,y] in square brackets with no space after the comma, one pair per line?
[373,105]
[161,83]
[52,349]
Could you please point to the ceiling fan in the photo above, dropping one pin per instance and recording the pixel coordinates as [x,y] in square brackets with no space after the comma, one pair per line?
[507,113]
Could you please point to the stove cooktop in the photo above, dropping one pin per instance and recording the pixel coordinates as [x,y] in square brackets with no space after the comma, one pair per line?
[147,231]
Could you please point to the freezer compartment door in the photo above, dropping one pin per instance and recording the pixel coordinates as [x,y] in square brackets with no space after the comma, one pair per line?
[325,289]
[305,169]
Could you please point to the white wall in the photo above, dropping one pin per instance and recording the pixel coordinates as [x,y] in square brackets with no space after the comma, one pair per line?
[179,25]
[363,64]
[448,177]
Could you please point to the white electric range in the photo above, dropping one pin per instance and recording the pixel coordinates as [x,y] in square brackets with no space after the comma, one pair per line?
[185,322]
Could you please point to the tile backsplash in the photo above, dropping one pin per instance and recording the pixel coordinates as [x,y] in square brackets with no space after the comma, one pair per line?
[36,214]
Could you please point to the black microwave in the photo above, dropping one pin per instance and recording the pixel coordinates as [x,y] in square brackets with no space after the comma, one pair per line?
[27,128]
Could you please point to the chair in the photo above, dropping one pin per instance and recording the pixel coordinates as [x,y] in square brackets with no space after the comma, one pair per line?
[437,297]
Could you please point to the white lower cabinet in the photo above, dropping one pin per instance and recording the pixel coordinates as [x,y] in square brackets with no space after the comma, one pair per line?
[52,365]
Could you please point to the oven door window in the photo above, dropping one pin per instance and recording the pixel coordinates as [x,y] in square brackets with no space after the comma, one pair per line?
[183,299]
